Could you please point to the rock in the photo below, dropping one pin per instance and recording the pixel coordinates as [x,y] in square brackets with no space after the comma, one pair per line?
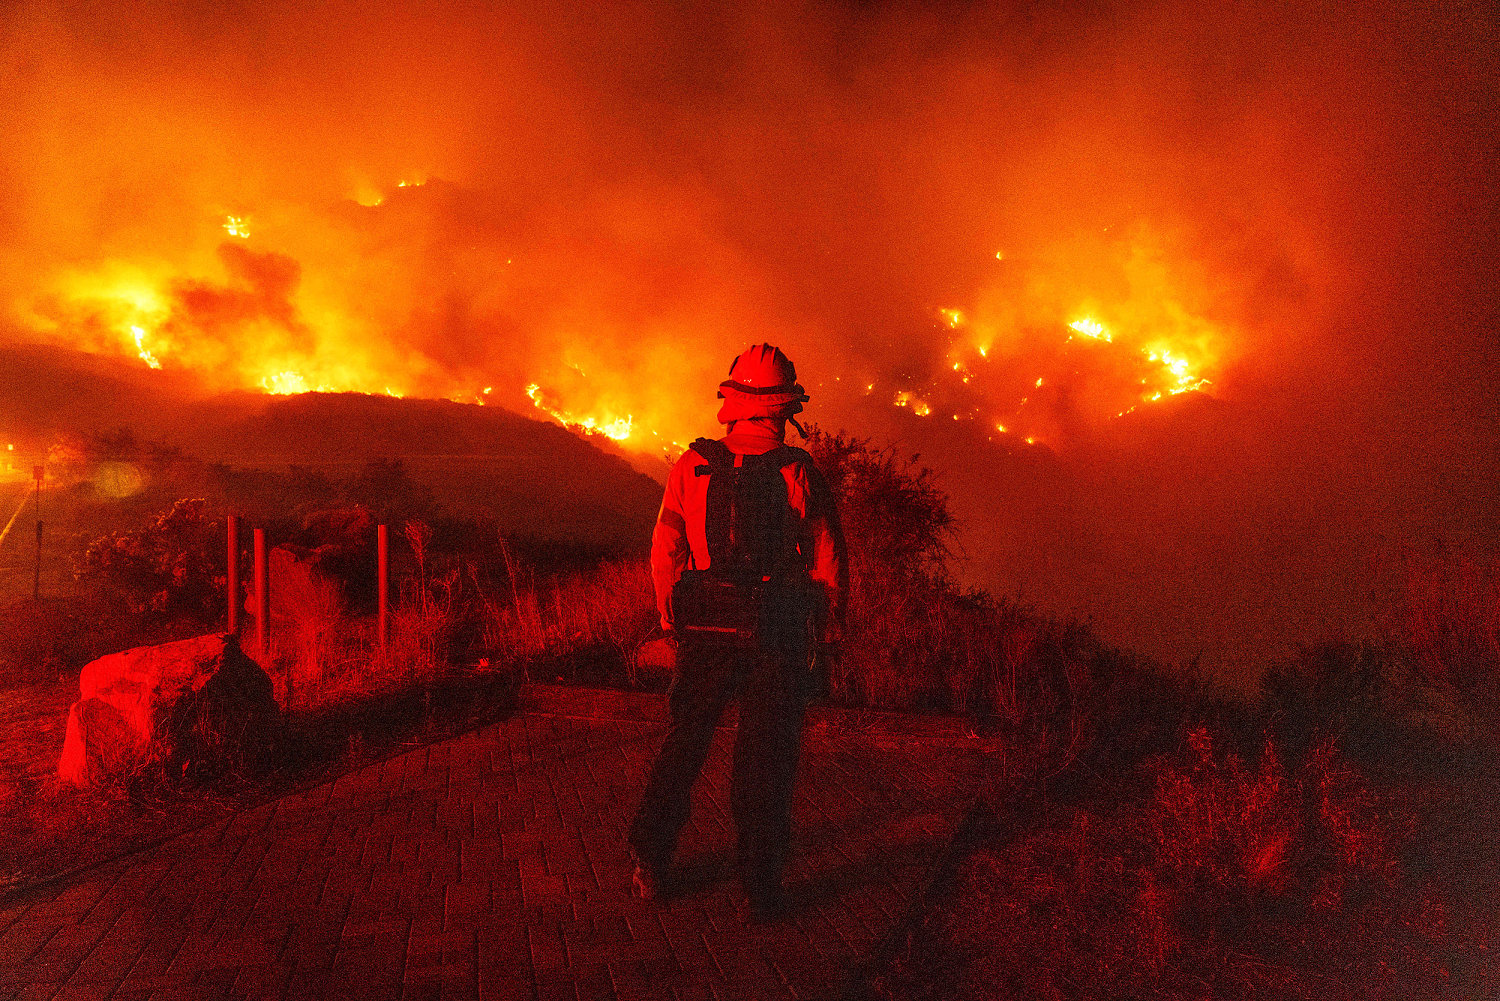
[343,552]
[198,704]
[341,531]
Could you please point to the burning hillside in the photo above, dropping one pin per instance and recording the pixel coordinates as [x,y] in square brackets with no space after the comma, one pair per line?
[242,320]
[1044,229]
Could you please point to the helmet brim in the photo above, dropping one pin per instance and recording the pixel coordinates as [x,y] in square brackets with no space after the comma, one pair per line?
[770,396]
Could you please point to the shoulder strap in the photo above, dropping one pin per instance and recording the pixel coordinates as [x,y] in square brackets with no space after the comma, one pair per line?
[716,452]
[788,454]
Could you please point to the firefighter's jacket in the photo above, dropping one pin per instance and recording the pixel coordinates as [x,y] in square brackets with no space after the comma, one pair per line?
[680,539]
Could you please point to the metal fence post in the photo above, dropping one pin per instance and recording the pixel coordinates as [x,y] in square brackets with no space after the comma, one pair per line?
[233,583]
[262,597]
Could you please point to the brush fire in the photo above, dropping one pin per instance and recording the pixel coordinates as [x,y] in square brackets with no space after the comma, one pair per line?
[1143,359]
[240,338]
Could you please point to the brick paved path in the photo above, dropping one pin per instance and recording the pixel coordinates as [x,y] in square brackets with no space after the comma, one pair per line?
[493,865]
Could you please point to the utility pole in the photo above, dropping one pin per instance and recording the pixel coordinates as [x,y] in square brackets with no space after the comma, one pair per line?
[36,581]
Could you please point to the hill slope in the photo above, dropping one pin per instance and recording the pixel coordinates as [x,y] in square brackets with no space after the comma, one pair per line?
[532,477]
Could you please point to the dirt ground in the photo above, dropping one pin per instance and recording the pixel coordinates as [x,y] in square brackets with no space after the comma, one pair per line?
[33,717]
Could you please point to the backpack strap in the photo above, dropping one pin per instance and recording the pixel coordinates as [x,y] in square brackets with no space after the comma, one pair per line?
[784,455]
[716,452]
[719,457]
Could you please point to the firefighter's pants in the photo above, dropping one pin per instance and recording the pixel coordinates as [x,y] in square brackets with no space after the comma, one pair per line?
[771,688]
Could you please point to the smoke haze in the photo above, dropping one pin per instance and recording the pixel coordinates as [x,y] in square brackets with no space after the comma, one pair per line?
[594,209]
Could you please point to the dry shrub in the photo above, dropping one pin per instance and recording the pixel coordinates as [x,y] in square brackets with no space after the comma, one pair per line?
[613,606]
[322,655]
[1449,622]
[1229,879]
[51,638]
[172,568]
[904,616]
[915,640]
[424,626]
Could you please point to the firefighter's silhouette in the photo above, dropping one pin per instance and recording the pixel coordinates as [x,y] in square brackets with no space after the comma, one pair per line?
[749,569]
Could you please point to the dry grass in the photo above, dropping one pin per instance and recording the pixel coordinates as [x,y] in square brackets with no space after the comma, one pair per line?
[1449,623]
[610,610]
[452,616]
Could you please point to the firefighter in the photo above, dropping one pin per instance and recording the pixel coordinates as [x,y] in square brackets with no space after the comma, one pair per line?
[749,570]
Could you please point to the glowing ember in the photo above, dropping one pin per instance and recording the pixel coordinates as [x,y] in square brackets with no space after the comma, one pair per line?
[237,226]
[953,317]
[141,349]
[617,428]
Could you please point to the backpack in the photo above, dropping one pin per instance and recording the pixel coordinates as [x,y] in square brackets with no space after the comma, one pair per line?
[748,595]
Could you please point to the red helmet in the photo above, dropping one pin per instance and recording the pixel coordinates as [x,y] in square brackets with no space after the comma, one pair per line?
[763,375]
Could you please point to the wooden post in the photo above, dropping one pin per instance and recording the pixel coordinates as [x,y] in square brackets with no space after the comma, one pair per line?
[233,586]
[262,597]
[383,579]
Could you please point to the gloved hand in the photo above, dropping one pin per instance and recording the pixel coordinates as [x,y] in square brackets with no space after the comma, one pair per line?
[658,653]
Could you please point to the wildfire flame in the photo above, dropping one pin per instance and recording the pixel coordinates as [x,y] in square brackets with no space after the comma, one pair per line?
[1181,370]
[290,382]
[141,349]
[1091,328]
[617,428]
[1162,367]
[920,407]
[263,318]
